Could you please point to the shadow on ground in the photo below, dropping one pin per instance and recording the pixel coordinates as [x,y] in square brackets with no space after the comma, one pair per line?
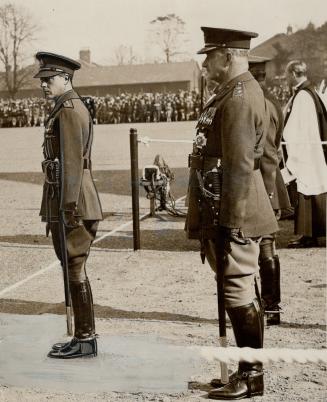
[108,181]
[160,240]
[163,240]
[29,307]
[156,239]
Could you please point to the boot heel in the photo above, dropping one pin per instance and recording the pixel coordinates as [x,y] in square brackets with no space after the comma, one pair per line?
[255,384]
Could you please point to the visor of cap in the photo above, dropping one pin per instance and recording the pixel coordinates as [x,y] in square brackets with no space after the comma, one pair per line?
[206,49]
[46,74]
[258,59]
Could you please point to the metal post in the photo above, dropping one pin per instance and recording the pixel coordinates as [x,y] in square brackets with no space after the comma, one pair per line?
[135,187]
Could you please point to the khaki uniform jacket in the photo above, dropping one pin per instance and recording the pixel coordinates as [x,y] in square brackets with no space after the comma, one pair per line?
[68,138]
[269,164]
[235,123]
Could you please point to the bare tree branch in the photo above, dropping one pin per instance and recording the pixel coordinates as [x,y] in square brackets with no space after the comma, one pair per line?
[17,31]
[168,33]
[124,54]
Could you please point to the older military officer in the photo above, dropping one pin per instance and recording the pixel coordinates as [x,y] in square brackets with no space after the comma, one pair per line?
[231,132]
[69,190]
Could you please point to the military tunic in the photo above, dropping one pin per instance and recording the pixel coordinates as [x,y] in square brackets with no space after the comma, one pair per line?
[269,163]
[69,185]
[235,122]
[68,139]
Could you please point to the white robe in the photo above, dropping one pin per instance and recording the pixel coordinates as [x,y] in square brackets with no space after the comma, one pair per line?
[305,153]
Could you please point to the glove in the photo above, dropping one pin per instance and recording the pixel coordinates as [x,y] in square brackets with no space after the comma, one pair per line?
[278,213]
[234,235]
[70,220]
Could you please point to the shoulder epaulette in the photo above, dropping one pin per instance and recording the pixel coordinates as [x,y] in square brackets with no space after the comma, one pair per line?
[238,90]
[68,103]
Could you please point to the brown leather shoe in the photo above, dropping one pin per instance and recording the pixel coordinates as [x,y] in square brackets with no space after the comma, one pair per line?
[244,385]
[303,242]
[216,382]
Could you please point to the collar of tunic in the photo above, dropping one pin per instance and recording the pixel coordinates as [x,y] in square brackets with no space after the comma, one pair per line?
[229,86]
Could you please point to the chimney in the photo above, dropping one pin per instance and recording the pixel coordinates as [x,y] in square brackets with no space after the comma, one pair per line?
[85,55]
[289,30]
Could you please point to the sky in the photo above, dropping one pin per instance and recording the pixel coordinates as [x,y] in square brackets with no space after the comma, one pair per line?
[102,25]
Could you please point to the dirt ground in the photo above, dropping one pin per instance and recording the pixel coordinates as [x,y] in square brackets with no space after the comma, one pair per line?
[162,290]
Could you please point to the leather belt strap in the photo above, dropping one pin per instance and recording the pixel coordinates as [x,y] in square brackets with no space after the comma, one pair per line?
[203,162]
[256,164]
[86,164]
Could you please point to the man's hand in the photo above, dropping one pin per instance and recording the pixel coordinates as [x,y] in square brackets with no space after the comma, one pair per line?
[70,220]
[234,235]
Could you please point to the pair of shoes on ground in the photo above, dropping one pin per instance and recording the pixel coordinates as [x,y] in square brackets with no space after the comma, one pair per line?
[75,348]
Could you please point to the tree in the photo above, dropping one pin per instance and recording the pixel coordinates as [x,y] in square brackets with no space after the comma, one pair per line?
[17,31]
[124,55]
[281,58]
[169,34]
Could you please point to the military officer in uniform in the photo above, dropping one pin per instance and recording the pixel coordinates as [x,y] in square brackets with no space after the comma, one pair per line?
[231,134]
[69,191]
[277,192]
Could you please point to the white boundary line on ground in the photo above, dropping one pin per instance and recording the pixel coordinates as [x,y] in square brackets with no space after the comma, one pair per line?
[20,283]
[56,263]
[124,225]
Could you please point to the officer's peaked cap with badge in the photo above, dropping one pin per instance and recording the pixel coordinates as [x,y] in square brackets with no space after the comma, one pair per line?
[53,64]
[215,38]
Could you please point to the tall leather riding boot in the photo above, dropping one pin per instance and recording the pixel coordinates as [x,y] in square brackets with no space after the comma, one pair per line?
[247,322]
[270,288]
[82,302]
[84,342]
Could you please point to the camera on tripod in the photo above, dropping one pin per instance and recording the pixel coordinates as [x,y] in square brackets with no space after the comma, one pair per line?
[156,185]
[151,173]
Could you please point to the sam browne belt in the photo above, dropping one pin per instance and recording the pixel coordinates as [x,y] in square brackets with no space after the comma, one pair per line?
[203,162]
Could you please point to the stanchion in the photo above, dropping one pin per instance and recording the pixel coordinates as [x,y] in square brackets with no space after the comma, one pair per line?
[135,187]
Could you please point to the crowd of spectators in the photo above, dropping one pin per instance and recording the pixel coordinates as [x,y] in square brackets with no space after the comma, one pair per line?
[281,92]
[28,112]
[148,107]
[115,109]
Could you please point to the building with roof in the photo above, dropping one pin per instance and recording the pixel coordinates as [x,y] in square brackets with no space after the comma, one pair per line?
[308,45]
[96,80]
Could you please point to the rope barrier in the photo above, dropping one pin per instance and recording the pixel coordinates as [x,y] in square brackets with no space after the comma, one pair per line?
[305,142]
[146,141]
[271,355]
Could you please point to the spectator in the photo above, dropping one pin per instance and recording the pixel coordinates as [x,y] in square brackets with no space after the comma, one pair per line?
[110,109]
